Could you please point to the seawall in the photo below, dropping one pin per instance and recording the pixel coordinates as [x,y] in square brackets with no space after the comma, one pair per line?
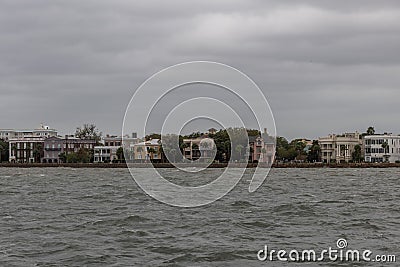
[214,165]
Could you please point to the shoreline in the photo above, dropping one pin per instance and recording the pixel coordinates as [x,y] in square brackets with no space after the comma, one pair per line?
[214,165]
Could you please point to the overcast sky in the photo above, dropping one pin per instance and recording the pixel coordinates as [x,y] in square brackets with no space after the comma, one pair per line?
[324,66]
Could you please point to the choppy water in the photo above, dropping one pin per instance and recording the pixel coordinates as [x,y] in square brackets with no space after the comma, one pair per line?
[99,217]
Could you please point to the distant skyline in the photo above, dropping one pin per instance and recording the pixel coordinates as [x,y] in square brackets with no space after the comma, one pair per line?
[324,66]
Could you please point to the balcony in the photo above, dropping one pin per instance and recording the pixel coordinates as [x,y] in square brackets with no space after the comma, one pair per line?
[52,149]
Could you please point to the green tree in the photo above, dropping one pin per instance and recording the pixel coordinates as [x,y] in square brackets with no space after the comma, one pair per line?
[222,142]
[370,131]
[139,149]
[252,132]
[284,150]
[239,149]
[72,158]
[38,152]
[281,142]
[88,131]
[62,157]
[120,154]
[183,146]
[194,135]
[298,146]
[195,147]
[356,155]
[3,150]
[314,152]
[151,152]
[385,147]
[152,136]
[173,152]
[82,156]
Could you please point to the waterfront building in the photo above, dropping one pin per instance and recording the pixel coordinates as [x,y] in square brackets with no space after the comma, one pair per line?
[55,146]
[338,148]
[42,131]
[147,150]
[201,147]
[381,148]
[26,146]
[119,141]
[5,134]
[105,154]
[261,151]
[112,140]
[262,148]
[28,149]
[111,143]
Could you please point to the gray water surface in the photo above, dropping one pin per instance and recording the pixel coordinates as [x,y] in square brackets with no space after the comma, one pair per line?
[99,217]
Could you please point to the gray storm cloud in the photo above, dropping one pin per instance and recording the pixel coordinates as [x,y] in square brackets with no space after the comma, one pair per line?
[323,65]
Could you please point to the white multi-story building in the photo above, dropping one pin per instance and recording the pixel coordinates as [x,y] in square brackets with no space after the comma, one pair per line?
[381,148]
[339,148]
[42,131]
[27,145]
[111,143]
[105,154]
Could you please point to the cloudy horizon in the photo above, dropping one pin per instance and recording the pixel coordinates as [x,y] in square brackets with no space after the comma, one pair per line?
[324,66]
